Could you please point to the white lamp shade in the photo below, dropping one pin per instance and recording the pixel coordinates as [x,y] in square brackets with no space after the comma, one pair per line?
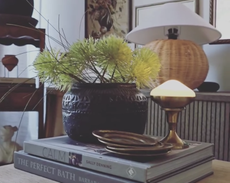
[172,88]
[174,15]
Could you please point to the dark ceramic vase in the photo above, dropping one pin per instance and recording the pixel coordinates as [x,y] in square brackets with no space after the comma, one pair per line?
[115,106]
[17,7]
[10,62]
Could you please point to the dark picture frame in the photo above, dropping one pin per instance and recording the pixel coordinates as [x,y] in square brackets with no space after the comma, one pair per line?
[104,18]
[212,20]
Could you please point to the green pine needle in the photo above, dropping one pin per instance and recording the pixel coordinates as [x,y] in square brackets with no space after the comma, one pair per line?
[107,60]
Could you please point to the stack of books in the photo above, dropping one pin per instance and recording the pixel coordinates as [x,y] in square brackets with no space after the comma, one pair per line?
[64,160]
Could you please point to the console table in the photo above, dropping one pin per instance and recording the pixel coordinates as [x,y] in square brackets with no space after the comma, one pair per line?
[9,174]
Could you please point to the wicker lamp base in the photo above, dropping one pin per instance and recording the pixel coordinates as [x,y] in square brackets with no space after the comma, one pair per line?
[182,60]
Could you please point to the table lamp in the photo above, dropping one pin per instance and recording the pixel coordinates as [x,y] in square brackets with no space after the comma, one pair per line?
[173,96]
[175,33]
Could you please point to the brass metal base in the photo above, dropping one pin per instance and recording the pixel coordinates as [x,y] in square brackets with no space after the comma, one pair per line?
[173,105]
[175,140]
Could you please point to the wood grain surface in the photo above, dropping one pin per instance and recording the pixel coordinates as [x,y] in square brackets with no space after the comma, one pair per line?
[221,173]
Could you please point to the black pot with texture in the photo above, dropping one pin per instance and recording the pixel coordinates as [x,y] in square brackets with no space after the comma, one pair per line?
[108,106]
[17,7]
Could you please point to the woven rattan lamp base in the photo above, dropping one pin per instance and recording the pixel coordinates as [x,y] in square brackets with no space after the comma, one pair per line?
[182,60]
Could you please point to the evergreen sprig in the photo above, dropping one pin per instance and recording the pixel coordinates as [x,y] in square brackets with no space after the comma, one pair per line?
[106,60]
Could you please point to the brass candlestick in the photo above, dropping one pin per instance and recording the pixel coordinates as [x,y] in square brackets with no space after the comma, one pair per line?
[172,137]
[173,102]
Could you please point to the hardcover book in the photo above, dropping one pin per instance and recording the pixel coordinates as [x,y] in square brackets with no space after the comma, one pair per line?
[69,174]
[95,157]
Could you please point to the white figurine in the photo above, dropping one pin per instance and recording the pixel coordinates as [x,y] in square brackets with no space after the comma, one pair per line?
[7,146]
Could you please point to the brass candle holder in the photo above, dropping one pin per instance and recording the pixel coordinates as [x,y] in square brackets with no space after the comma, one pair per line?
[173,96]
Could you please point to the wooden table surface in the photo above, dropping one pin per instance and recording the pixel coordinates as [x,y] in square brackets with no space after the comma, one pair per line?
[8,174]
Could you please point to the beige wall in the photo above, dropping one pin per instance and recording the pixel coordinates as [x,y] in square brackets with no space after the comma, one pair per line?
[65,16]
[218,56]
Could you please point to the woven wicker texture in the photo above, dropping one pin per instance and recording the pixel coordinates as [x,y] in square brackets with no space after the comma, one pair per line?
[182,60]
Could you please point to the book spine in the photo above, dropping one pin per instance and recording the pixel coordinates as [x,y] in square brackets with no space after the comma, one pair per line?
[86,161]
[61,172]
